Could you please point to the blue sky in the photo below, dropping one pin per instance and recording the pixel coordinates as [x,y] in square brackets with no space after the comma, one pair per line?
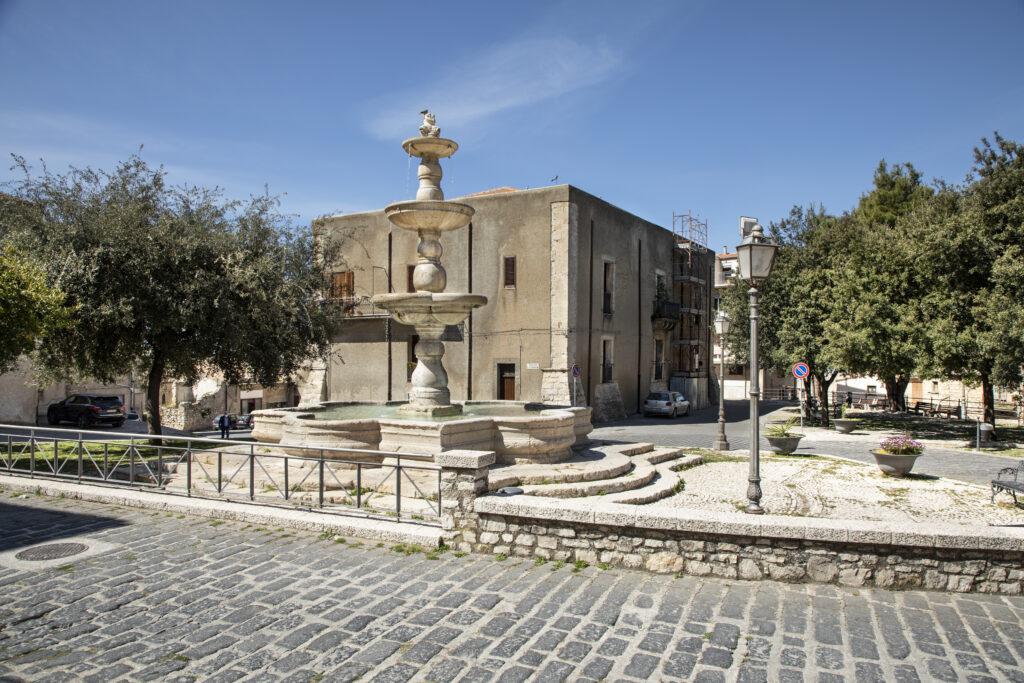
[719,108]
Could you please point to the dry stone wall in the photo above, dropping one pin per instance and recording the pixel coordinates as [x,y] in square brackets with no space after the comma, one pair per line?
[851,553]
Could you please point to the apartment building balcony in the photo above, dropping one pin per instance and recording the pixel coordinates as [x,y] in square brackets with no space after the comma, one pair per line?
[665,315]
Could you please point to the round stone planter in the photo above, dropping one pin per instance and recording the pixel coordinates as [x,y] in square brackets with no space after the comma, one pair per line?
[784,445]
[844,426]
[895,465]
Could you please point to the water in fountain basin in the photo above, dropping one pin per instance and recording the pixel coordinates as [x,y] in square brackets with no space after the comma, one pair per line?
[364,411]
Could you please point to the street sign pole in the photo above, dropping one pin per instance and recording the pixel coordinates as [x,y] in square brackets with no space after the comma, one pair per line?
[800,371]
[575,382]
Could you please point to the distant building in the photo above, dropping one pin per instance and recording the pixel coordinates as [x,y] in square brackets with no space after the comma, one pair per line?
[570,280]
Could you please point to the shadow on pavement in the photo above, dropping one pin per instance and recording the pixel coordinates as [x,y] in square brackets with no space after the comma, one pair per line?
[25,525]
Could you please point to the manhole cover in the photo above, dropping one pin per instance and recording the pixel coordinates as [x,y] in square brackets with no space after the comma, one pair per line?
[52,551]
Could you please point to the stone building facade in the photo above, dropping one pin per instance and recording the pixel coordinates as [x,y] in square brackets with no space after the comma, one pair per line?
[570,280]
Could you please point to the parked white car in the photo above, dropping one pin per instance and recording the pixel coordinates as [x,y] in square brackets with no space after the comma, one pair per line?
[670,403]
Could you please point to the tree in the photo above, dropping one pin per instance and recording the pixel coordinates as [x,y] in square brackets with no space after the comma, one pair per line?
[797,302]
[878,328]
[969,240]
[170,281]
[28,308]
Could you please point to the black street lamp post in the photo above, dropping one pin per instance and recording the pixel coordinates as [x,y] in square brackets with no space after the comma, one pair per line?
[756,255]
[721,328]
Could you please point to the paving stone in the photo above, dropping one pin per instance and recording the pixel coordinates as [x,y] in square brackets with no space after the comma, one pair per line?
[716,656]
[868,672]
[517,674]
[446,671]
[613,647]
[554,672]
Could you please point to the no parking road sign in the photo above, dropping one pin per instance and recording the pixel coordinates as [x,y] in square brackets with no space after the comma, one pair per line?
[800,370]
[575,370]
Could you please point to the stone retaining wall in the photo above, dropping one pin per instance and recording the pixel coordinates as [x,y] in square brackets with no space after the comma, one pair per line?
[731,545]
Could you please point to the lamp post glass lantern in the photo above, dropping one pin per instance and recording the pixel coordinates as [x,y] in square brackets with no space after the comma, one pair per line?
[721,328]
[756,255]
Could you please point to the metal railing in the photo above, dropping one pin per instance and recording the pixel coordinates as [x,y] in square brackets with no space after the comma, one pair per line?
[239,471]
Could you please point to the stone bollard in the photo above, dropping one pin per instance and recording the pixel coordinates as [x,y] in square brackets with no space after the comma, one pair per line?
[463,478]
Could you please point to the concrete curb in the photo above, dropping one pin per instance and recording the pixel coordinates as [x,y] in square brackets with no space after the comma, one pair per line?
[359,527]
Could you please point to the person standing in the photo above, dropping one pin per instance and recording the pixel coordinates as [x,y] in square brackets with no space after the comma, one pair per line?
[224,422]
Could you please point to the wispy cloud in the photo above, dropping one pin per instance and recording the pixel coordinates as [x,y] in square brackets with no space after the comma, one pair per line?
[63,140]
[515,74]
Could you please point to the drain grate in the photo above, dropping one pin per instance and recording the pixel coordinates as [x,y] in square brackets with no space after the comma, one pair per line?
[51,551]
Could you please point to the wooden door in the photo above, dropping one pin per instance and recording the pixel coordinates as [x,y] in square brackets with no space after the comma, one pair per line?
[506,381]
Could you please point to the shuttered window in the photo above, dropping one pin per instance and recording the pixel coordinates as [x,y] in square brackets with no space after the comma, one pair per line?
[342,285]
[510,272]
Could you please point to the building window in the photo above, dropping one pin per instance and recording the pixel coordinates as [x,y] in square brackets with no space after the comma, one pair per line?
[411,359]
[341,285]
[607,360]
[609,288]
[872,389]
[409,286]
[659,359]
[510,272]
[935,387]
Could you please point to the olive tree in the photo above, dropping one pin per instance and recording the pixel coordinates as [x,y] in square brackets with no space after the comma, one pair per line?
[169,281]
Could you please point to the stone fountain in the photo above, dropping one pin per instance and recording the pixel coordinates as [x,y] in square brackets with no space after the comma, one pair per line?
[429,309]
[430,423]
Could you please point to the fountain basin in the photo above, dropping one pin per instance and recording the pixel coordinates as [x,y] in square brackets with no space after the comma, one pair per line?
[424,147]
[435,215]
[516,432]
[429,308]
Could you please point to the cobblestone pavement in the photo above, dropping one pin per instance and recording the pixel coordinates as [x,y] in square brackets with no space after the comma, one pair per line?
[700,428]
[179,598]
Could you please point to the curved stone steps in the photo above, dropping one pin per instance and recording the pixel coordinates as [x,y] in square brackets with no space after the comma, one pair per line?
[589,465]
[641,474]
[662,486]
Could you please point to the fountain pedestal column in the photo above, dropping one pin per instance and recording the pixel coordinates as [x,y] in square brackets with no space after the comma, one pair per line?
[429,309]
[429,379]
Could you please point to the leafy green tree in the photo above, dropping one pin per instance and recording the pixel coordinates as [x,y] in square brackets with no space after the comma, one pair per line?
[877,329]
[28,307]
[170,281]
[969,240]
[797,302]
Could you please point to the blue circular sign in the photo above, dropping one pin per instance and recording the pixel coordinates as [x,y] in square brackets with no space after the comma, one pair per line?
[800,370]
[575,369]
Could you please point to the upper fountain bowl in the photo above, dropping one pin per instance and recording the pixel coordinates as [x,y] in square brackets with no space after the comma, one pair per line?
[424,147]
[429,214]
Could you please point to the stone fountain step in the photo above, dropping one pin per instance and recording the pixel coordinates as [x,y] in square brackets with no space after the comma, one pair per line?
[660,454]
[631,448]
[588,465]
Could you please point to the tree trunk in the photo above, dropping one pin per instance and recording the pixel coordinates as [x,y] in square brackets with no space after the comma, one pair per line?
[156,376]
[823,384]
[988,401]
[895,388]
[806,408]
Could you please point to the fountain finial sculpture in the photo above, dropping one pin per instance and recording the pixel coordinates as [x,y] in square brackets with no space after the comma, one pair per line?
[429,129]
[429,309]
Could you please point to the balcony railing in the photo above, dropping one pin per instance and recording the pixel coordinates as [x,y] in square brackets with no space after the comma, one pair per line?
[667,309]
[359,306]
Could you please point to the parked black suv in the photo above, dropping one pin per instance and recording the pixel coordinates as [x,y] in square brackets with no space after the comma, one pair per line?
[86,410]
